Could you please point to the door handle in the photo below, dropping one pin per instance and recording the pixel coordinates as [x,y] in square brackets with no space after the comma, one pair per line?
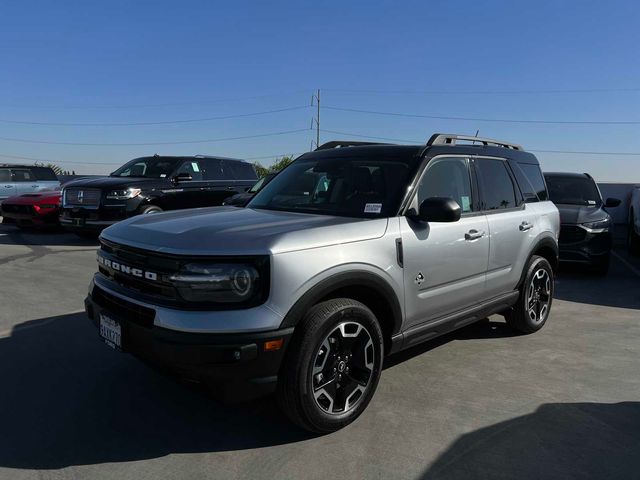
[8,186]
[524,226]
[230,188]
[473,235]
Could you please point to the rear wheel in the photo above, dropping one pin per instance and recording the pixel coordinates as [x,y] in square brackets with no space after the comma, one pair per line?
[531,311]
[332,367]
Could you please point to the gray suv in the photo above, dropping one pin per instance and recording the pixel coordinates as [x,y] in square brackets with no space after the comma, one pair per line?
[353,252]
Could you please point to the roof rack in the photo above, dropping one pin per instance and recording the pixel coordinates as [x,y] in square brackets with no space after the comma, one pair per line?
[346,143]
[452,139]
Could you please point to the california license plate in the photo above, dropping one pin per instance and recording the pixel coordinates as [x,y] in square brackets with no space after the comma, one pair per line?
[110,331]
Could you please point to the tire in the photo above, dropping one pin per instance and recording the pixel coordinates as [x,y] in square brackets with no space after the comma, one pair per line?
[149,209]
[339,339]
[633,239]
[601,266]
[536,291]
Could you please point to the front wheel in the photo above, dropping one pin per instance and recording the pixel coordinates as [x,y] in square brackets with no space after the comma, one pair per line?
[332,367]
[150,209]
[532,309]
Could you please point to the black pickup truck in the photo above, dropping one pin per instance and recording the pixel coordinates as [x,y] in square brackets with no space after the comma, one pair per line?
[150,185]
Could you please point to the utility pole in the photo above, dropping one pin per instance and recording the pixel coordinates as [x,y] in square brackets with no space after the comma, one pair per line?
[316,97]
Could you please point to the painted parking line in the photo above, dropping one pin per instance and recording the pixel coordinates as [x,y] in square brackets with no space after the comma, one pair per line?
[627,264]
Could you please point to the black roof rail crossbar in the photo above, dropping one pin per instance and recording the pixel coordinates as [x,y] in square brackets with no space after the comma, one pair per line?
[346,143]
[451,139]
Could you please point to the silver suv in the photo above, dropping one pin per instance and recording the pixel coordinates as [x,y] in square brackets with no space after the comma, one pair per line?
[353,252]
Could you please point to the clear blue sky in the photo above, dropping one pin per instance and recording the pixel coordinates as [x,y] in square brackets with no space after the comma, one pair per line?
[161,61]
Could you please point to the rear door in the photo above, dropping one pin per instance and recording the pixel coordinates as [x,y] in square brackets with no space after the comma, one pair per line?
[25,180]
[512,226]
[7,187]
[444,263]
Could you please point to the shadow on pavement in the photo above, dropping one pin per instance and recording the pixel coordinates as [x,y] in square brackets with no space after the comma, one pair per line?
[68,400]
[570,440]
[49,237]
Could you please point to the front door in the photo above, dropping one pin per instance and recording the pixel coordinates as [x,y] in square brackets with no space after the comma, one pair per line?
[25,180]
[444,263]
[192,193]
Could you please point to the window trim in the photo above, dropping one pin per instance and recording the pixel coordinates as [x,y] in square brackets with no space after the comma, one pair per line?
[520,202]
[412,190]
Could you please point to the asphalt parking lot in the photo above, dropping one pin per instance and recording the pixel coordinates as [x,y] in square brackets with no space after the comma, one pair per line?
[480,403]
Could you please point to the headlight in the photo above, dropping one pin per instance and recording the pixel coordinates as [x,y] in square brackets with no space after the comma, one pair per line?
[123,194]
[597,227]
[225,283]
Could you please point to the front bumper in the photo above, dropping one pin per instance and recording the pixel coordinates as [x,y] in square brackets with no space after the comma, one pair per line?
[236,366]
[32,218]
[588,249]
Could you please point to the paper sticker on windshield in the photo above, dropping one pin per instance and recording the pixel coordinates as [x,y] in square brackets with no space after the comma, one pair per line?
[466,203]
[195,167]
[372,208]
[163,175]
[591,202]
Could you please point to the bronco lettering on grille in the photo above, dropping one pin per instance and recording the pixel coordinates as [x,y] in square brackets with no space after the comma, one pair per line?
[126,269]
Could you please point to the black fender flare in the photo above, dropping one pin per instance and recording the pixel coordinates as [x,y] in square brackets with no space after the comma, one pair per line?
[544,242]
[361,278]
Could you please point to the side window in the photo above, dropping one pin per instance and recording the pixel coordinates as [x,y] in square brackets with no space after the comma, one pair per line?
[212,169]
[534,175]
[22,175]
[5,175]
[45,174]
[497,188]
[241,170]
[192,167]
[446,177]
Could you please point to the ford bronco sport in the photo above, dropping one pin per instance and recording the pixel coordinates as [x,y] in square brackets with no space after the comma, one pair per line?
[353,252]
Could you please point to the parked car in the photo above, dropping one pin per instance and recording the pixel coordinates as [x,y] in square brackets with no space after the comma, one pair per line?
[150,185]
[633,231]
[349,254]
[19,179]
[40,209]
[241,199]
[585,230]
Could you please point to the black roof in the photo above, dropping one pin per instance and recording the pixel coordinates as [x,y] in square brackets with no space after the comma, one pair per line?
[438,144]
[20,165]
[187,157]
[567,174]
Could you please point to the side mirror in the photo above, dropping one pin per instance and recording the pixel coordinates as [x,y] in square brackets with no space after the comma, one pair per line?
[612,202]
[437,209]
[182,177]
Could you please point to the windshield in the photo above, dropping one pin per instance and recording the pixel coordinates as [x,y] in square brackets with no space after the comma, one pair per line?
[149,167]
[572,190]
[348,186]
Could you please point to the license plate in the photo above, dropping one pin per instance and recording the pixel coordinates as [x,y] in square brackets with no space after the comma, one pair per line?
[78,222]
[110,331]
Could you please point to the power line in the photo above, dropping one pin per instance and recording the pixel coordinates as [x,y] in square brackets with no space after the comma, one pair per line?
[154,105]
[487,92]
[165,122]
[477,119]
[211,140]
[71,162]
[572,152]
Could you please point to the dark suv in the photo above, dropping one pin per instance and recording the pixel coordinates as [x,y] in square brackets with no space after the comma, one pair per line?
[585,225]
[152,185]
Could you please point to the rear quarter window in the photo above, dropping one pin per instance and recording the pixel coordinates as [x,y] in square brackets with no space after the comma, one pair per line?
[533,180]
[241,170]
[45,174]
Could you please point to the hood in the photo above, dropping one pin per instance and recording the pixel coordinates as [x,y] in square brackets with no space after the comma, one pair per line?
[35,198]
[572,214]
[114,182]
[240,231]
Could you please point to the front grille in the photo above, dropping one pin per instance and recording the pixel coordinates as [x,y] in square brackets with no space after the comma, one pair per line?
[26,209]
[123,309]
[571,234]
[82,197]
[130,258]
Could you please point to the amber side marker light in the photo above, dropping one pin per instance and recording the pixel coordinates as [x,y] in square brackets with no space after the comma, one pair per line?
[273,345]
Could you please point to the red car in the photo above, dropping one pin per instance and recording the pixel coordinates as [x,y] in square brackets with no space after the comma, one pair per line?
[39,209]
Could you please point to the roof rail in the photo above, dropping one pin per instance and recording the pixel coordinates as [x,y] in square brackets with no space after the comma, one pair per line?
[452,139]
[346,143]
